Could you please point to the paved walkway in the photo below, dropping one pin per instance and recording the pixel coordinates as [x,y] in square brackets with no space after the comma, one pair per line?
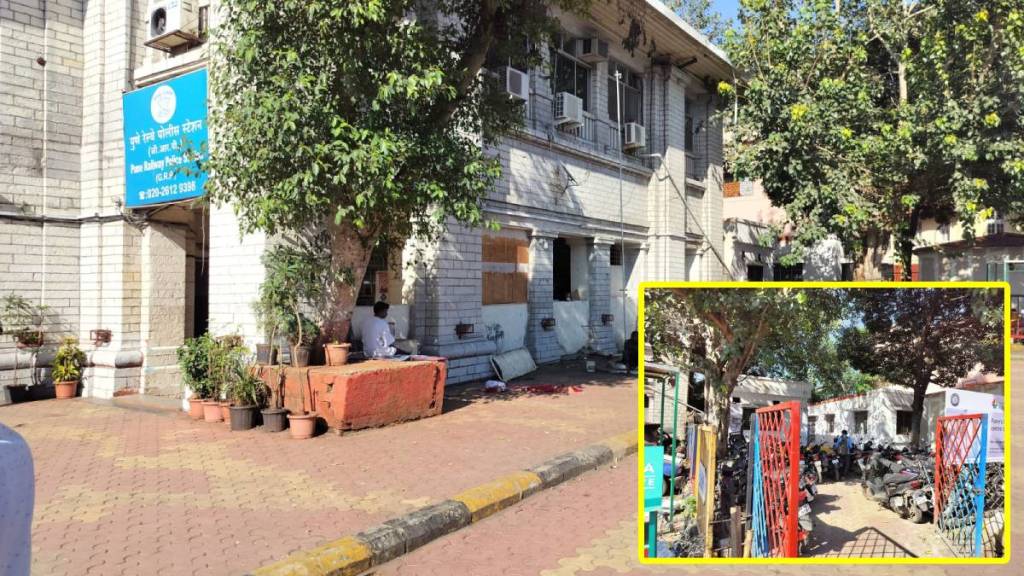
[579,529]
[124,491]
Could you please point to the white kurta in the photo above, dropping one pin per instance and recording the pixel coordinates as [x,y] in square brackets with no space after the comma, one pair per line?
[17,493]
[377,338]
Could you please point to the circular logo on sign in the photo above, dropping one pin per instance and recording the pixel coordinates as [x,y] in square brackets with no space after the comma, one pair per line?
[162,104]
[954,399]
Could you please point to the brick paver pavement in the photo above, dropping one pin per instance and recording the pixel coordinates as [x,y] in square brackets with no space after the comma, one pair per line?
[587,527]
[131,492]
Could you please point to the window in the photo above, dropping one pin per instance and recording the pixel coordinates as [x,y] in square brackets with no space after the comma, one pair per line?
[860,422]
[794,273]
[904,418]
[994,224]
[375,281]
[747,414]
[688,128]
[812,424]
[830,423]
[755,272]
[632,94]
[994,271]
[615,255]
[735,400]
[570,75]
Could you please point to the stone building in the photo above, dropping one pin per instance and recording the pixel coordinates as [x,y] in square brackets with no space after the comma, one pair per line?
[141,280]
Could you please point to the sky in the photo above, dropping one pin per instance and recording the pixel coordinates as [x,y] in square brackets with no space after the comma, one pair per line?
[727,8]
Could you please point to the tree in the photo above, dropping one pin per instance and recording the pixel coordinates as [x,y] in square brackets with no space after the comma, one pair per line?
[368,119]
[700,15]
[861,117]
[920,336]
[724,333]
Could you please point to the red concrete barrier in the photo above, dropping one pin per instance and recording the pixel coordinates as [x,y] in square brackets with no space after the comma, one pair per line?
[362,395]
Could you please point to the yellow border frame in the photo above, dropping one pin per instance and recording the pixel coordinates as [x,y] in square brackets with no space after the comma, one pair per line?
[1005,286]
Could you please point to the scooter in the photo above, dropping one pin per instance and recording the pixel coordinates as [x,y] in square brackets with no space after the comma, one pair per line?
[805,525]
[893,485]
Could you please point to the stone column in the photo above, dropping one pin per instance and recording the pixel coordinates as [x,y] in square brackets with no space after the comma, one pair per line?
[599,293]
[162,324]
[543,344]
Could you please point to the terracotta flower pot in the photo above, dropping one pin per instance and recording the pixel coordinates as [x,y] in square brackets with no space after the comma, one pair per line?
[336,354]
[66,389]
[195,408]
[211,411]
[300,356]
[225,411]
[302,426]
[275,419]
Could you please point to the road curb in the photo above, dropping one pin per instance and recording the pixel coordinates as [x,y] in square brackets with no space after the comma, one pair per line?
[376,545]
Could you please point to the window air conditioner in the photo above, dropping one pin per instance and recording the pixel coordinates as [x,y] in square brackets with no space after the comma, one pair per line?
[591,50]
[517,83]
[635,136]
[172,23]
[568,110]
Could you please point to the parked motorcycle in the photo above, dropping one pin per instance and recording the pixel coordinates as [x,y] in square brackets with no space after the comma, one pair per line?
[898,487]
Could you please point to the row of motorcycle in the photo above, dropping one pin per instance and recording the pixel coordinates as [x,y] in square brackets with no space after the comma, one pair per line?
[899,479]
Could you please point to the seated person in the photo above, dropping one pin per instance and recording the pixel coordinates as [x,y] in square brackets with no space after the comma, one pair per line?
[377,336]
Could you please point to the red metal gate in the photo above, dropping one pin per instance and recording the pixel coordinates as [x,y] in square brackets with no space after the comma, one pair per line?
[961,450]
[776,481]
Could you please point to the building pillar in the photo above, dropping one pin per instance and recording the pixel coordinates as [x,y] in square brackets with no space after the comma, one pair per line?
[163,296]
[599,293]
[541,342]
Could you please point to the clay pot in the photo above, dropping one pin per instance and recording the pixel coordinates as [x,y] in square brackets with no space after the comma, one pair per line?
[211,411]
[300,356]
[336,354]
[225,411]
[195,408]
[65,390]
[243,418]
[275,419]
[302,426]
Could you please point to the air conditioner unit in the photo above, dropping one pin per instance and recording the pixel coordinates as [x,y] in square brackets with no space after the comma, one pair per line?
[591,50]
[635,136]
[568,110]
[172,23]
[517,83]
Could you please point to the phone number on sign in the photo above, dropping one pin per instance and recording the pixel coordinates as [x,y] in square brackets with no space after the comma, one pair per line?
[168,190]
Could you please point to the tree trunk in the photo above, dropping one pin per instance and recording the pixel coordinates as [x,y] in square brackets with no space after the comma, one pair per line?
[350,255]
[917,410]
[870,265]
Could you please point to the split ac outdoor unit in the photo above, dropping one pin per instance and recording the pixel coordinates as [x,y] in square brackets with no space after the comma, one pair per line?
[635,136]
[172,23]
[591,50]
[517,83]
[568,110]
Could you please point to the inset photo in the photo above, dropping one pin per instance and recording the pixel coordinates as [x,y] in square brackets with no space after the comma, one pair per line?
[824,424]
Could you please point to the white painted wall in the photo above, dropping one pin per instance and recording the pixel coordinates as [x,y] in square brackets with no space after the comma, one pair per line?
[881,406]
[570,321]
[512,320]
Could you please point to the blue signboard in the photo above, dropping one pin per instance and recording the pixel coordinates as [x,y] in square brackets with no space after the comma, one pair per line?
[164,137]
[654,456]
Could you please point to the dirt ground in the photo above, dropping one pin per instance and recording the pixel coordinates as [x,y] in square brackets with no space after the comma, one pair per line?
[848,525]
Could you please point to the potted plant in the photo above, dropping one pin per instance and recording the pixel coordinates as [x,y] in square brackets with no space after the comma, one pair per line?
[227,353]
[303,426]
[302,332]
[269,320]
[248,394]
[276,419]
[67,368]
[23,320]
[194,362]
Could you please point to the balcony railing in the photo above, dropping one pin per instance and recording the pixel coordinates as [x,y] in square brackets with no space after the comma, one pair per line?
[696,167]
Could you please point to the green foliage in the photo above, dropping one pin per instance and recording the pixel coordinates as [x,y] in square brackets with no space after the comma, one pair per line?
[246,388]
[226,355]
[22,319]
[68,362]
[296,279]
[862,122]
[194,362]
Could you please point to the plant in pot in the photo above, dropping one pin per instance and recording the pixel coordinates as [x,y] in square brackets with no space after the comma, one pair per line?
[248,394]
[269,321]
[336,353]
[303,426]
[302,333]
[194,362]
[22,321]
[276,419]
[67,368]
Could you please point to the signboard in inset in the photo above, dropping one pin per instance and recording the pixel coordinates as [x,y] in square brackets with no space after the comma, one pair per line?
[654,457]
[165,134]
[968,402]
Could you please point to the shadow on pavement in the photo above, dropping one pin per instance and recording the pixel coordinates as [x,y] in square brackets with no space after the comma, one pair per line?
[552,381]
[868,542]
